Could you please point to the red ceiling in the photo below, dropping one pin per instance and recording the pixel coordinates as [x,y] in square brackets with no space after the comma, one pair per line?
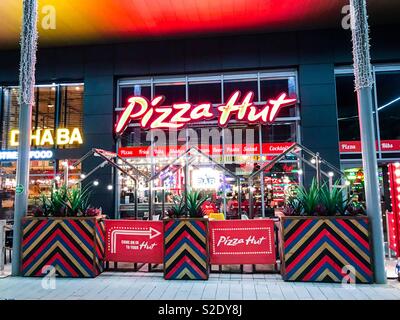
[85,21]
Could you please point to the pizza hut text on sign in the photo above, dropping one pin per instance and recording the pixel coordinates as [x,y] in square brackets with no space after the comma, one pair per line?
[153,115]
[134,241]
[242,242]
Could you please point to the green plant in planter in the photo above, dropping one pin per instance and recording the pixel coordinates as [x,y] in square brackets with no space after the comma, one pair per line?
[178,208]
[309,200]
[58,197]
[77,201]
[333,199]
[66,202]
[293,205]
[194,201]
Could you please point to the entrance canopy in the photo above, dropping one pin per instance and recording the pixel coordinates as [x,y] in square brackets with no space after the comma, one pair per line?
[306,156]
[192,157]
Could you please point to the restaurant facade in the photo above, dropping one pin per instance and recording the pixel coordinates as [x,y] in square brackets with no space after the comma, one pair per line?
[83,92]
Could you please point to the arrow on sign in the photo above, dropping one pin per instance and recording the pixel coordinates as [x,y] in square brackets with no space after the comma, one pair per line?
[151,233]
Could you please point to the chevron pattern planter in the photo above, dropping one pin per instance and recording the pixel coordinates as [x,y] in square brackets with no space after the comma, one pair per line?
[73,246]
[186,249]
[316,249]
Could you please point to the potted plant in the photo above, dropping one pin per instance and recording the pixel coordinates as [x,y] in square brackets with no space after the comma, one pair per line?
[186,239]
[64,232]
[324,237]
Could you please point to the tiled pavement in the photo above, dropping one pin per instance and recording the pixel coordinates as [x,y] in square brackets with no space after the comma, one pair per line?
[143,285]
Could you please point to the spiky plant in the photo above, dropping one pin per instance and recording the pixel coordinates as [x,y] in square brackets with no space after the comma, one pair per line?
[194,202]
[309,199]
[77,201]
[58,197]
[178,207]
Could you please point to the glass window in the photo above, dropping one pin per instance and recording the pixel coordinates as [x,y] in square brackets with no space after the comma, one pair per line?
[135,136]
[68,105]
[388,94]
[244,86]
[279,132]
[200,92]
[272,88]
[349,129]
[134,90]
[71,110]
[173,93]
[43,113]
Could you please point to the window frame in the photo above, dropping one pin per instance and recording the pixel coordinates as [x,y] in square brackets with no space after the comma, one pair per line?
[57,107]
[379,68]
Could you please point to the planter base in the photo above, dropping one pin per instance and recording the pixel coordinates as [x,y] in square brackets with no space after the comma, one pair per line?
[73,246]
[331,249]
[186,249]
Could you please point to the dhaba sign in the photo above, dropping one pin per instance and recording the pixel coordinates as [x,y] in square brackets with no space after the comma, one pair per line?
[153,115]
[50,137]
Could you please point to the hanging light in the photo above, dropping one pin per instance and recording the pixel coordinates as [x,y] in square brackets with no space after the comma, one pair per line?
[109,187]
[83,176]
[95,183]
[331,174]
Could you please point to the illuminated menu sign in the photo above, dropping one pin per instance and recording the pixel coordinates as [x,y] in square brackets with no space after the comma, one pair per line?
[11,155]
[153,115]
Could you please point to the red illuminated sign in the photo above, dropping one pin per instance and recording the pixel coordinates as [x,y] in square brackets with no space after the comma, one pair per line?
[394,217]
[242,242]
[152,115]
[355,146]
[134,241]
[212,150]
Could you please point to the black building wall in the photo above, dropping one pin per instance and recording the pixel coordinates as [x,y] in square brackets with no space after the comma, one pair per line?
[313,53]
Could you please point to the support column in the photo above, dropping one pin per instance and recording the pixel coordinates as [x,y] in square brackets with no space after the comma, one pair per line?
[27,83]
[364,83]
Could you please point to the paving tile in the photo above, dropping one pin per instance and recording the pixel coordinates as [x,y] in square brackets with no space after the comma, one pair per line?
[223,286]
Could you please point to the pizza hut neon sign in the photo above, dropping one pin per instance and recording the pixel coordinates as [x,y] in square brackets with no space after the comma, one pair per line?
[152,115]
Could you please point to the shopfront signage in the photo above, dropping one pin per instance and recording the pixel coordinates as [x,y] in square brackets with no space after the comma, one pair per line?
[50,137]
[11,155]
[272,148]
[153,115]
[134,241]
[242,242]
[355,146]
[204,178]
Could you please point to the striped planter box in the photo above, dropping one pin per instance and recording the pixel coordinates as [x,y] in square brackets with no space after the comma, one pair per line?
[73,246]
[325,249]
[186,249]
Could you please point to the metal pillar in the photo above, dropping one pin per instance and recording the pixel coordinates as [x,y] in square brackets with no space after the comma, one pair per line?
[239,198]
[318,169]
[27,83]
[251,209]
[364,83]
